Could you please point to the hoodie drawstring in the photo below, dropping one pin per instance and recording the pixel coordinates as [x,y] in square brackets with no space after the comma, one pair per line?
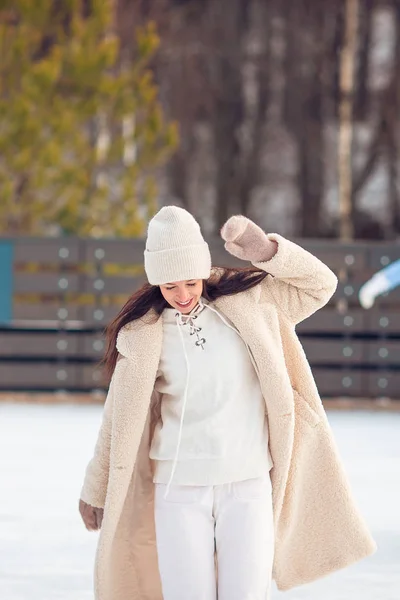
[200,343]
[183,412]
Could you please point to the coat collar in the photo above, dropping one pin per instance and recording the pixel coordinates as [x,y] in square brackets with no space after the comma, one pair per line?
[148,328]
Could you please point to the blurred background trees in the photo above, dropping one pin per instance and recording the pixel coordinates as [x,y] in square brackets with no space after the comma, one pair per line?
[81,131]
[254,85]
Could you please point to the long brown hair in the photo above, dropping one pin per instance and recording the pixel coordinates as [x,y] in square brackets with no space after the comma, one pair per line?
[223,281]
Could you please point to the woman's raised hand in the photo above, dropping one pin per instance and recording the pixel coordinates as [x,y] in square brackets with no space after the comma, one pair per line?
[91,515]
[246,240]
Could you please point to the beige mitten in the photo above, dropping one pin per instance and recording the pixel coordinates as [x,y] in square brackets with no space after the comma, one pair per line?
[247,241]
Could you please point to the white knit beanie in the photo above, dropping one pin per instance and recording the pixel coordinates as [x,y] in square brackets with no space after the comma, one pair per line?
[175,249]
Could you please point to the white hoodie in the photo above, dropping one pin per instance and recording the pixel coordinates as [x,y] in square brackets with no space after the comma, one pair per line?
[213,427]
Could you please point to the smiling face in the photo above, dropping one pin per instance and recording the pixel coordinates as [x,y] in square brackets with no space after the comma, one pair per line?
[183,295]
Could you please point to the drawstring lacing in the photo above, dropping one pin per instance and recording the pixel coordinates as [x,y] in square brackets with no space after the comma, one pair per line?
[189,320]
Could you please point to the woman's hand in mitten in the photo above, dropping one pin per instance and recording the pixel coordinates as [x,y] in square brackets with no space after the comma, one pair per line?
[247,241]
[91,515]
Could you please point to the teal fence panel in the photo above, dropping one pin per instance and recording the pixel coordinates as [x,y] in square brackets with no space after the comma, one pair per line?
[6,280]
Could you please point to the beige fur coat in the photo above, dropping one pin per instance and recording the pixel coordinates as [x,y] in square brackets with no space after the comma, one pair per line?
[318,527]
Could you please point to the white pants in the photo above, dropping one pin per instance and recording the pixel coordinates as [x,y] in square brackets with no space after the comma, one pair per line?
[233,521]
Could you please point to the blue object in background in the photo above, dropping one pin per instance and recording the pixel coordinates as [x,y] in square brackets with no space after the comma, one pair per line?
[383,281]
[6,280]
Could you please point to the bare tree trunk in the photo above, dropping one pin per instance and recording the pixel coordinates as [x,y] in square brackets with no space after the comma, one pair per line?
[229,21]
[304,109]
[346,120]
[334,54]
[252,151]
[311,170]
[178,172]
[362,97]
[228,116]
[393,133]
[394,183]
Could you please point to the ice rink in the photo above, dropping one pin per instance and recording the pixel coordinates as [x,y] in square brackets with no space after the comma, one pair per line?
[47,554]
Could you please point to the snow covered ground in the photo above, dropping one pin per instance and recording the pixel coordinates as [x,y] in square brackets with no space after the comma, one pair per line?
[47,554]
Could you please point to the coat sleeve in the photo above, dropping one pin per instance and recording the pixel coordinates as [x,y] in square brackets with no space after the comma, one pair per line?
[298,283]
[95,483]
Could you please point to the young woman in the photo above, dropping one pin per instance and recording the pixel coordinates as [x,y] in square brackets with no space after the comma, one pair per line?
[215,468]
